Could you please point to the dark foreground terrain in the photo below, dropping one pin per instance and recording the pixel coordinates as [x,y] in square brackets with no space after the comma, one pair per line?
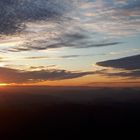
[50,112]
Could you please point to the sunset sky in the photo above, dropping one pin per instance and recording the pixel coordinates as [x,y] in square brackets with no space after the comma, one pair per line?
[70,42]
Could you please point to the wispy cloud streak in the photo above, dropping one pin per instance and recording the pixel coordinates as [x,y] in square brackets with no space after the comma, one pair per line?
[35,75]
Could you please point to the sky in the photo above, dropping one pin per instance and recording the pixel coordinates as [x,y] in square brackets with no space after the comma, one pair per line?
[70,42]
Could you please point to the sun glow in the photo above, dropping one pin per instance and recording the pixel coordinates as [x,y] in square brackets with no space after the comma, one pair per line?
[3,84]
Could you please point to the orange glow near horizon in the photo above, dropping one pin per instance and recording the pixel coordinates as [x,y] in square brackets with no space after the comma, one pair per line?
[85,81]
[3,84]
[96,84]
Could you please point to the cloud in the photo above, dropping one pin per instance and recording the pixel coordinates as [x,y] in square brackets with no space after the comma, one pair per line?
[74,56]
[59,57]
[128,63]
[128,67]
[63,56]
[103,44]
[37,57]
[47,24]
[130,74]
[76,44]
[42,67]
[15,13]
[9,75]
[133,74]
[113,17]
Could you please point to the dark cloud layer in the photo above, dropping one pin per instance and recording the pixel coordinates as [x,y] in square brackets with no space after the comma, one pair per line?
[9,75]
[14,13]
[129,65]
